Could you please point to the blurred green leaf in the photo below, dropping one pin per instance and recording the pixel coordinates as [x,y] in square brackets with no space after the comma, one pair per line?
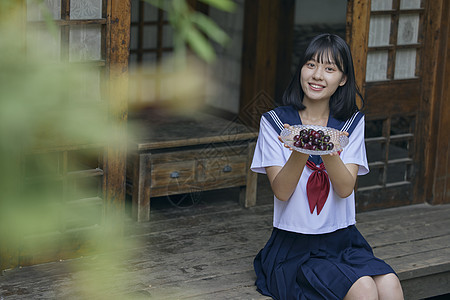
[211,29]
[194,28]
[225,5]
[200,45]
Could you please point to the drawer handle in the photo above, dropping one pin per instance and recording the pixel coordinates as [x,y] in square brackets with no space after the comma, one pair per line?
[174,174]
[227,169]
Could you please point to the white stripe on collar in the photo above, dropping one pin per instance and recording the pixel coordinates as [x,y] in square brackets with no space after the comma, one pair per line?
[349,122]
[276,119]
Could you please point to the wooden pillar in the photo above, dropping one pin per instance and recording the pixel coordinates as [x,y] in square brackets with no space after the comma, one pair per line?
[358,16]
[119,18]
[434,177]
[267,44]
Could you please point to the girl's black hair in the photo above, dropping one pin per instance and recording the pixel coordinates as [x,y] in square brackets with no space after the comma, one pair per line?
[328,47]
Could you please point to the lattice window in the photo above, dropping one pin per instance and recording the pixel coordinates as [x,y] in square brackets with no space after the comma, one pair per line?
[151,42]
[395,40]
[390,151]
[74,173]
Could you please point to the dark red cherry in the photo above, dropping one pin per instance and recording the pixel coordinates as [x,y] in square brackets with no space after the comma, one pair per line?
[321,133]
[298,144]
[322,147]
[296,137]
[330,146]
[326,138]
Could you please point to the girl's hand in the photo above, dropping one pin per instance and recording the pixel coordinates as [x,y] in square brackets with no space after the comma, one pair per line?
[337,153]
[279,137]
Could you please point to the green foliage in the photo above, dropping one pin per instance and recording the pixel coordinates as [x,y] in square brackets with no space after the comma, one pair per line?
[194,29]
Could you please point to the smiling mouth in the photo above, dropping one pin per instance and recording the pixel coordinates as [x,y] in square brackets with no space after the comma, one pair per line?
[316,86]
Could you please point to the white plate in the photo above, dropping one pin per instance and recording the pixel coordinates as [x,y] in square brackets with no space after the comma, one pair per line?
[339,139]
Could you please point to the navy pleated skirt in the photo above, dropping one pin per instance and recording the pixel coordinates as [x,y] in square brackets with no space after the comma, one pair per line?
[324,266]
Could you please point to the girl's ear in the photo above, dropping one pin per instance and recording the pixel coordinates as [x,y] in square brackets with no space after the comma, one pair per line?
[343,80]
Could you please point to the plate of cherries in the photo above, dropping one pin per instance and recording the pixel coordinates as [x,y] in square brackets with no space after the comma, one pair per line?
[314,139]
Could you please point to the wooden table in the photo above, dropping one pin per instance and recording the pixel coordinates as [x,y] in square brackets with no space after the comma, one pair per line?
[177,155]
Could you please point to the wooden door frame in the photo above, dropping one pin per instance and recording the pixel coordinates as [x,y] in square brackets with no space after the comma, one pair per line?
[433,151]
[118,42]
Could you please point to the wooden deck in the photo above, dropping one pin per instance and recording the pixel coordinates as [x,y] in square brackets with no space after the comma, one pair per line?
[206,252]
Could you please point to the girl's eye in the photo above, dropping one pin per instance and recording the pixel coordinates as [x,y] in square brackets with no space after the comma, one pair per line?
[310,65]
[330,69]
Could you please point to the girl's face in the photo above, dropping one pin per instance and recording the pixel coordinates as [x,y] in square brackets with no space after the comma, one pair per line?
[319,80]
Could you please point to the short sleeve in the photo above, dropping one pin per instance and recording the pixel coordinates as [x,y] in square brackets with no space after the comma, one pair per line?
[355,151]
[268,150]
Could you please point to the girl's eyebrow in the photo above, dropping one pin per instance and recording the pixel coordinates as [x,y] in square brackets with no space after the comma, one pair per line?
[328,62]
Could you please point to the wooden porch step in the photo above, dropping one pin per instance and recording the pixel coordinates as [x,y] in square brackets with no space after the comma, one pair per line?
[415,241]
[206,252]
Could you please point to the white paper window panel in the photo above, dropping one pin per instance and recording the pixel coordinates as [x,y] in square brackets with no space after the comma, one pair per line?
[42,43]
[85,43]
[150,12]
[167,39]
[405,64]
[408,29]
[379,31]
[150,37]
[149,59]
[134,10]
[381,5]
[376,67]
[134,31]
[409,4]
[85,9]
[35,10]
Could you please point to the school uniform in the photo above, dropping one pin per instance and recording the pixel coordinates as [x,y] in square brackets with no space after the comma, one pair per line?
[315,250]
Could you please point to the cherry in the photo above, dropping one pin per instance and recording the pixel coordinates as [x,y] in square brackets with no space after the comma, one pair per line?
[317,135]
[311,139]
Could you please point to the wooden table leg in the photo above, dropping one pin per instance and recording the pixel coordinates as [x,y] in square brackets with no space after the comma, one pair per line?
[141,187]
[247,196]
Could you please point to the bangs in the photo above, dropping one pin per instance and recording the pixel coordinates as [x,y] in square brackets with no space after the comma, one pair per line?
[324,53]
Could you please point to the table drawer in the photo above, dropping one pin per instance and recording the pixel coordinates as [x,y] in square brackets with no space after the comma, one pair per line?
[221,168]
[172,174]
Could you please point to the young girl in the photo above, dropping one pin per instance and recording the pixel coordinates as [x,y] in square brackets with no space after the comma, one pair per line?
[315,250]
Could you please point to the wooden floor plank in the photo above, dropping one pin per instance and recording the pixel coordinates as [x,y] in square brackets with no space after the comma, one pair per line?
[207,251]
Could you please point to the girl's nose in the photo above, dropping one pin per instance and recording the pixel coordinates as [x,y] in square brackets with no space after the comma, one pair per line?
[318,74]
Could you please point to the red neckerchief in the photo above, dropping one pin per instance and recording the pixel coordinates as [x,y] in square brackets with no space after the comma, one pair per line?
[318,187]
